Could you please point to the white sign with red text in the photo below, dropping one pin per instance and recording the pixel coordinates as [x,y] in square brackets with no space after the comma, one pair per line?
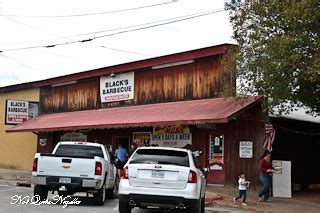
[16,112]
[117,87]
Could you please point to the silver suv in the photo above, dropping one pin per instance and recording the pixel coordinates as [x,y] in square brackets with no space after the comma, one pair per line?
[162,177]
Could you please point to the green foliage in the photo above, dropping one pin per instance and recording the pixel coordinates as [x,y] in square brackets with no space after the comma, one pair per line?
[278,53]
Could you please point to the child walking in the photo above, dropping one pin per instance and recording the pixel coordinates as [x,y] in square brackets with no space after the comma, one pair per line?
[242,189]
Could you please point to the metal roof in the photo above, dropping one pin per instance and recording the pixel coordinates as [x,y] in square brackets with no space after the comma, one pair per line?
[217,110]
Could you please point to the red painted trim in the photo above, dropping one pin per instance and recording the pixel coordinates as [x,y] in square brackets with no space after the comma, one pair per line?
[222,119]
[193,54]
[127,125]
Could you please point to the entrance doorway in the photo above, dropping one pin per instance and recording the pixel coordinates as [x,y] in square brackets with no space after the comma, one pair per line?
[124,141]
[216,160]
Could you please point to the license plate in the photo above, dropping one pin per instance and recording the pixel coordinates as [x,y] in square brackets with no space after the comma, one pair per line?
[64,180]
[157,174]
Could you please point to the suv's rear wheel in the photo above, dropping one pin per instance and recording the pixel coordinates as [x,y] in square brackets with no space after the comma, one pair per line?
[40,191]
[203,205]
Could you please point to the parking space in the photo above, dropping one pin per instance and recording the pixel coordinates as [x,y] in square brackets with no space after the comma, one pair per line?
[18,199]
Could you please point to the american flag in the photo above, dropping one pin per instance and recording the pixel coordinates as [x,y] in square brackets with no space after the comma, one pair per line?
[270,133]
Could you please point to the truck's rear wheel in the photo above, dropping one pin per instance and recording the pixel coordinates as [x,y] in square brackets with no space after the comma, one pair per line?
[40,191]
[113,192]
[124,208]
[100,196]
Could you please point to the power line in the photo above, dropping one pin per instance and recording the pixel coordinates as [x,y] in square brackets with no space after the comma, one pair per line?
[64,37]
[123,28]
[121,50]
[116,33]
[89,14]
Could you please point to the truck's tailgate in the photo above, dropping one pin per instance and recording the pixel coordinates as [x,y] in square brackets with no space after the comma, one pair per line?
[66,166]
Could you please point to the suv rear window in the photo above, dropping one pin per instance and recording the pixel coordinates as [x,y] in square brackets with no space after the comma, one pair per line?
[79,151]
[160,156]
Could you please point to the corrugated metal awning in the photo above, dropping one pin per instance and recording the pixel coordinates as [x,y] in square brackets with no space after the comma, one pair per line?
[217,110]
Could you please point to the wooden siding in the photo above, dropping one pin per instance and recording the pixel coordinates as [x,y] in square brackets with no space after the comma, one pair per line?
[201,79]
[247,127]
[79,96]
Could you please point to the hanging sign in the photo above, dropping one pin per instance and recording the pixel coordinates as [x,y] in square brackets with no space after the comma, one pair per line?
[74,136]
[43,141]
[20,111]
[117,88]
[246,149]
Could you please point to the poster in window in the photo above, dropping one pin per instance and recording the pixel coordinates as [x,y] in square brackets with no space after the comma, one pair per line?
[216,149]
[142,138]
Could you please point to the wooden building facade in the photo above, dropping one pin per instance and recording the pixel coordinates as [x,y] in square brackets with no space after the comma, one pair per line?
[178,95]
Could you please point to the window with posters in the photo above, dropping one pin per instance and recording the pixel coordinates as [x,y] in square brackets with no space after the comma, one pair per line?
[142,138]
[171,136]
[20,111]
[216,149]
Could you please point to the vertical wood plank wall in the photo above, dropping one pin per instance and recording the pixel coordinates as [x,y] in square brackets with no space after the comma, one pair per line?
[247,127]
[201,79]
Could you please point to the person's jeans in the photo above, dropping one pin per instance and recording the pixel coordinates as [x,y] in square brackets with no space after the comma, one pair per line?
[266,185]
[242,193]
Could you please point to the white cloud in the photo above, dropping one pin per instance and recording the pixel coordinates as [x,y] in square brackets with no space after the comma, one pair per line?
[41,63]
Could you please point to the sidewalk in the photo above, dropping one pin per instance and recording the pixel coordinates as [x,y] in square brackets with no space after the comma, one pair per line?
[219,197]
[15,177]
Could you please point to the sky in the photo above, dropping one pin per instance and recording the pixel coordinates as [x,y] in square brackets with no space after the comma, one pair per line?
[42,39]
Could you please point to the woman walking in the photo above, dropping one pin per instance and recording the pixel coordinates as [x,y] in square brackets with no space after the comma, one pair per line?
[266,170]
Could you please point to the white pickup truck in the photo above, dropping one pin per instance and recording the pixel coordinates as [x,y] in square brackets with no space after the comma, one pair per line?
[75,167]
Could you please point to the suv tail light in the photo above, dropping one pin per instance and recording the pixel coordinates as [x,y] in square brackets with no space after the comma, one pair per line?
[192,177]
[35,165]
[98,169]
[124,173]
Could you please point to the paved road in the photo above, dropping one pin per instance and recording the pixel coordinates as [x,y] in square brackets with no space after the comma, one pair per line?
[11,194]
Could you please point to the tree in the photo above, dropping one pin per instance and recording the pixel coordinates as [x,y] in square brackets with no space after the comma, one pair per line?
[278,52]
